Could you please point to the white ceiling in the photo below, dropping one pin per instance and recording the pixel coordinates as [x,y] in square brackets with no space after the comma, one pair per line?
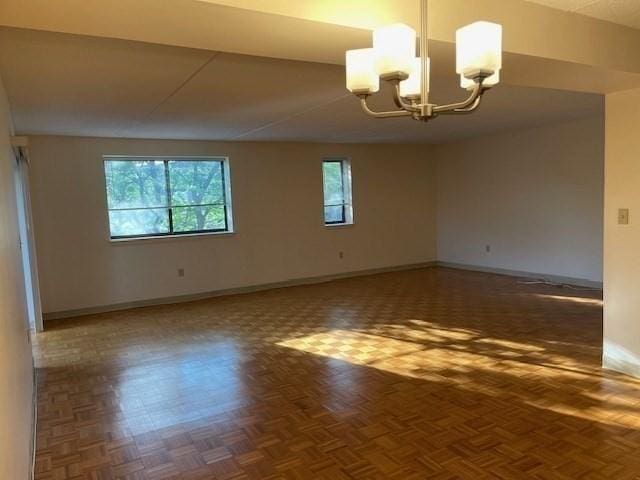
[63,84]
[623,12]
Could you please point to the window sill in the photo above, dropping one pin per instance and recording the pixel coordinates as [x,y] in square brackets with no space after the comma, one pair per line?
[339,225]
[186,236]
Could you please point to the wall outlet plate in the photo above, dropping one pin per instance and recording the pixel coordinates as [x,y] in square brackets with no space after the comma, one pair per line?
[623,216]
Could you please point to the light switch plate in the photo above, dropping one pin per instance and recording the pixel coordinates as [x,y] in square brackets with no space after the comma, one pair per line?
[623,216]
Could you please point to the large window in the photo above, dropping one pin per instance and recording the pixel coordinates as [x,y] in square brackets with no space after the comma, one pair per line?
[336,176]
[150,197]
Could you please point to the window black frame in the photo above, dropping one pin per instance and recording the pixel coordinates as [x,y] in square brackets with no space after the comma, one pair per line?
[345,203]
[223,161]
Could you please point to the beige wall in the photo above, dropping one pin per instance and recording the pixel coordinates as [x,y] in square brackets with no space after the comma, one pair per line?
[277,202]
[534,196]
[16,372]
[622,242]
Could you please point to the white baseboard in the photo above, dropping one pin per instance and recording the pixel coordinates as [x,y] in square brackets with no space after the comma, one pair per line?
[307,281]
[578,282]
[231,291]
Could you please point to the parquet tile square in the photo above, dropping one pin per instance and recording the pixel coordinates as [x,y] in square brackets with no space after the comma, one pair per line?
[426,374]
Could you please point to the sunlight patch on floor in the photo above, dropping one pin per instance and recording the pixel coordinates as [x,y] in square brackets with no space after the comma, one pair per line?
[405,351]
[596,302]
[466,360]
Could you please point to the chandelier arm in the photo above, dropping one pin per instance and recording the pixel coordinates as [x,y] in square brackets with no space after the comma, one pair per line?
[399,101]
[475,94]
[395,113]
[470,109]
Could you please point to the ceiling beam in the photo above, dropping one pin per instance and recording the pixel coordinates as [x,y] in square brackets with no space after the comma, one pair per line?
[546,33]
[582,53]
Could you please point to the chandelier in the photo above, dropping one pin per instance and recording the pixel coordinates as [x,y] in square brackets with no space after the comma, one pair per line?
[393,59]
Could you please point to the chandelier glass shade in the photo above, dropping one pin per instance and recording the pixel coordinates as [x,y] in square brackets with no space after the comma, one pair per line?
[393,59]
[395,48]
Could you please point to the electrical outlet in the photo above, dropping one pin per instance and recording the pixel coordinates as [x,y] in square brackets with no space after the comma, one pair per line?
[340,254]
[487,248]
[181,272]
[623,216]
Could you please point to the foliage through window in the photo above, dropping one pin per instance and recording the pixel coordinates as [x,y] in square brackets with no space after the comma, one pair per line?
[150,197]
[336,175]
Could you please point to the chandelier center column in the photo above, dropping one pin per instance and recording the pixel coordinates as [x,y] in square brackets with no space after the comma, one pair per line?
[424,57]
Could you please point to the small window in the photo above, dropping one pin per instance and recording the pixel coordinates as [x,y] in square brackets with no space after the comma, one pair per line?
[336,175]
[151,197]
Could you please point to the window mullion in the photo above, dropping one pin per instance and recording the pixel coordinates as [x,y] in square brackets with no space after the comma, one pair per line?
[168,188]
[342,199]
[224,185]
[224,195]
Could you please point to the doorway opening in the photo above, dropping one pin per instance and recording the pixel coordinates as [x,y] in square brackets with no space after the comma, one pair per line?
[25,233]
